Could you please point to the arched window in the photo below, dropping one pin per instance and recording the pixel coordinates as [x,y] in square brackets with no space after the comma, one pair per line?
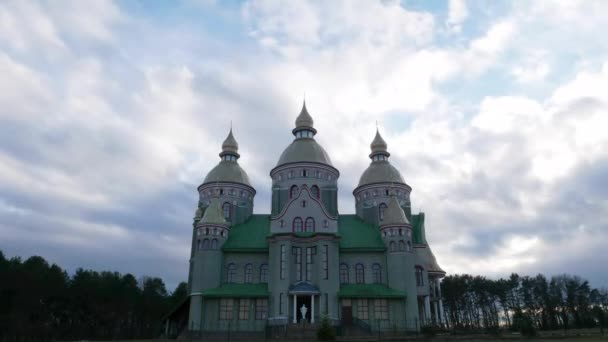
[401,245]
[419,276]
[263,273]
[309,225]
[198,245]
[206,244]
[231,273]
[314,191]
[293,192]
[297,224]
[343,274]
[392,246]
[226,208]
[359,274]
[381,208]
[409,246]
[377,273]
[248,274]
[214,244]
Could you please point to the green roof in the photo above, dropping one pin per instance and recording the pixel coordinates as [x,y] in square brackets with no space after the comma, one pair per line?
[238,291]
[249,236]
[417,226]
[358,236]
[369,291]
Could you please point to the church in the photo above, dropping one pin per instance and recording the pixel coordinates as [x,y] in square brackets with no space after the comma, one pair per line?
[304,260]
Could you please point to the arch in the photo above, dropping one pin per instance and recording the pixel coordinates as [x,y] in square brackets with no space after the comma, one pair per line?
[419,276]
[231,273]
[206,244]
[359,274]
[293,191]
[227,209]
[343,273]
[392,246]
[297,224]
[248,274]
[381,208]
[401,245]
[314,191]
[214,244]
[309,224]
[263,273]
[377,273]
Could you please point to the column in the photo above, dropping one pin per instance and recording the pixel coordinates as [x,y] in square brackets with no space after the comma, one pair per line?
[295,319]
[312,309]
[435,306]
[427,309]
[441,317]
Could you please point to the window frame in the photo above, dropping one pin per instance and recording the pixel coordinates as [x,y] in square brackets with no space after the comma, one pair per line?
[227,207]
[377,273]
[264,273]
[226,309]
[231,273]
[244,307]
[248,274]
[344,273]
[297,225]
[359,273]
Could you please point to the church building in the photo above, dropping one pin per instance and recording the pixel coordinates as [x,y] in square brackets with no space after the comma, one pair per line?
[304,260]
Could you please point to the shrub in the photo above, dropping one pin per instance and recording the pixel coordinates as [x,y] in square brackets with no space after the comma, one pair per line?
[326,331]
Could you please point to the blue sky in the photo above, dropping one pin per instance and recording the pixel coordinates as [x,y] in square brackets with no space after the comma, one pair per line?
[112,113]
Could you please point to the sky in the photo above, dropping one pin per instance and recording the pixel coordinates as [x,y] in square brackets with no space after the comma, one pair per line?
[496,114]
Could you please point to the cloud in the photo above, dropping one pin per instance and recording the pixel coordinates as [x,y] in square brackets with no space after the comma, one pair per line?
[457,14]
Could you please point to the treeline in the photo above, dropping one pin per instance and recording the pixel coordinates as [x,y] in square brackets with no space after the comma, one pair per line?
[39,301]
[523,303]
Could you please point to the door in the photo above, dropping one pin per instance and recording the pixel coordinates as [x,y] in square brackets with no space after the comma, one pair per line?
[347,315]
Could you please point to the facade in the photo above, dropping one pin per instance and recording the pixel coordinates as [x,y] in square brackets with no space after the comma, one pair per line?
[304,260]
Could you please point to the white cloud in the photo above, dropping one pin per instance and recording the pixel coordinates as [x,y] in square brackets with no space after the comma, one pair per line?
[457,14]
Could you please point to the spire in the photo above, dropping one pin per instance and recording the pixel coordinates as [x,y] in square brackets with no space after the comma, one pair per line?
[214,214]
[378,146]
[393,214]
[230,146]
[304,121]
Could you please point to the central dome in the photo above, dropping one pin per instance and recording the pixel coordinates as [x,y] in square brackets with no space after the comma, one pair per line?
[304,148]
[381,172]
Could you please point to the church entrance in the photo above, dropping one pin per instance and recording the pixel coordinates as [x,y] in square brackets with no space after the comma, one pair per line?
[306,302]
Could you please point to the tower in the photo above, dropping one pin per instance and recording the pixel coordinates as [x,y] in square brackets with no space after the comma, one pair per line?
[376,184]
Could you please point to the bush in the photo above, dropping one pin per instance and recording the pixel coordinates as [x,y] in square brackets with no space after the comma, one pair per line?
[523,323]
[430,330]
[326,331]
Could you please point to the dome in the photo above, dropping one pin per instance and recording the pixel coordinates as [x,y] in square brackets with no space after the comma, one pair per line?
[214,214]
[378,144]
[304,120]
[380,172]
[394,215]
[304,150]
[227,171]
[230,145]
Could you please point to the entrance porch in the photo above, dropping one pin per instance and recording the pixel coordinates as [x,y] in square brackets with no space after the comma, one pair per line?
[303,303]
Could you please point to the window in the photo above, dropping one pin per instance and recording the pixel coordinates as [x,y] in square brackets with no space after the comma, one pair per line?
[283,269]
[310,225]
[221,191]
[304,173]
[297,224]
[362,309]
[226,208]
[206,244]
[385,192]
[325,262]
[263,273]
[248,274]
[401,245]
[244,309]
[377,273]
[359,274]
[381,309]
[297,251]
[375,193]
[314,191]
[290,174]
[381,208]
[293,192]
[231,273]
[226,305]
[400,232]
[325,224]
[309,252]
[409,246]
[303,204]
[214,244]
[392,247]
[343,274]
[261,308]
[419,276]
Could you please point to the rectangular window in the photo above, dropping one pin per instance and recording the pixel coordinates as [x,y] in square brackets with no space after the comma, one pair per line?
[226,305]
[325,262]
[309,253]
[244,309]
[381,309]
[362,309]
[261,308]
[283,262]
[280,303]
[297,251]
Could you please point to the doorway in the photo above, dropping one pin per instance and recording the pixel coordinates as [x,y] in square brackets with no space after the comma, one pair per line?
[303,300]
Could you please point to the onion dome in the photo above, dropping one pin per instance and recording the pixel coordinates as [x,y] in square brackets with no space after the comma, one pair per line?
[393,214]
[380,170]
[228,170]
[304,148]
[214,214]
